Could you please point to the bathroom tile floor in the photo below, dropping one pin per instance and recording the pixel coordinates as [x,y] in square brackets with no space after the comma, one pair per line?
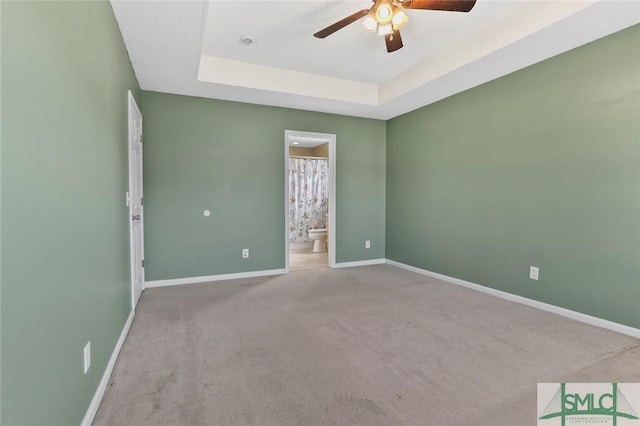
[305,259]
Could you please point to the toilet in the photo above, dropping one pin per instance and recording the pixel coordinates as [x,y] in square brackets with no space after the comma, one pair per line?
[319,237]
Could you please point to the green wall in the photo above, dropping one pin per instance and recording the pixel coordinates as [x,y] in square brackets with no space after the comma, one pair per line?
[65,266]
[541,167]
[228,157]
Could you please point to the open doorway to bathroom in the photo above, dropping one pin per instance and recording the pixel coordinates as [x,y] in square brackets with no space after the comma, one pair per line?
[309,200]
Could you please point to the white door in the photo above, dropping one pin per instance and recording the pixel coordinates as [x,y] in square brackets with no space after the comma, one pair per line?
[135,201]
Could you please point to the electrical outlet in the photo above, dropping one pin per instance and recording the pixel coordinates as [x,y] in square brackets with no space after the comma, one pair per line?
[367,244]
[534,272]
[245,253]
[87,356]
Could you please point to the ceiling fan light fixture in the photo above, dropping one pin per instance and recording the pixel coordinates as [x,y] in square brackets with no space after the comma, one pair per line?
[384,13]
[385,29]
[399,19]
[369,23]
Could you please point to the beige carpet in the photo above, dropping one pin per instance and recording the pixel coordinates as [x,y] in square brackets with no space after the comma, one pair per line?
[374,345]
[305,259]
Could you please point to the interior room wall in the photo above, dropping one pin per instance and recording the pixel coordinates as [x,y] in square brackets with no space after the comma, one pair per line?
[303,152]
[298,151]
[228,157]
[321,150]
[318,151]
[65,232]
[542,168]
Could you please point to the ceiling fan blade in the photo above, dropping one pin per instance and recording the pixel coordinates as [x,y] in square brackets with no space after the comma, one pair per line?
[341,24]
[394,41]
[448,5]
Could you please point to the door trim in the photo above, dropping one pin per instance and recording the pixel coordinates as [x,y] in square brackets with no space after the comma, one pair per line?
[132,105]
[331,139]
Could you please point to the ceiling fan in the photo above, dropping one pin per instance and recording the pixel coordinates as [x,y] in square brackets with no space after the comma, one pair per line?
[386,17]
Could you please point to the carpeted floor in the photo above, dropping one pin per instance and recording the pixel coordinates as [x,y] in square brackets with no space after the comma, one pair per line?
[368,346]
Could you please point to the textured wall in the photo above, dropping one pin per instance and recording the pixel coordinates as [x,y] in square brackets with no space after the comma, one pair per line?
[65,249]
[229,157]
[541,167]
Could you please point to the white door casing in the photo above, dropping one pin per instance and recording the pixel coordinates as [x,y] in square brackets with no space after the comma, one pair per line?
[331,240]
[135,201]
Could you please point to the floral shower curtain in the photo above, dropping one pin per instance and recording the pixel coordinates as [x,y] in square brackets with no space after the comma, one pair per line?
[308,197]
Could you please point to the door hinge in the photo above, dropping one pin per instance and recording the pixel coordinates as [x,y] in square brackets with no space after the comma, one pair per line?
[143,263]
[141,200]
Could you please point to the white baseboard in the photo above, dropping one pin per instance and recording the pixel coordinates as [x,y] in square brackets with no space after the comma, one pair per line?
[588,319]
[360,263]
[102,387]
[206,279]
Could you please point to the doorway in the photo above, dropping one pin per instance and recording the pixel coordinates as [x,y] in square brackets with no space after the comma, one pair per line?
[135,202]
[310,205]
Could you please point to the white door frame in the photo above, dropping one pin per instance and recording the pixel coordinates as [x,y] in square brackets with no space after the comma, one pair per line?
[133,106]
[331,139]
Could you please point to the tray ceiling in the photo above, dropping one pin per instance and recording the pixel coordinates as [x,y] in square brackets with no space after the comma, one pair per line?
[195,48]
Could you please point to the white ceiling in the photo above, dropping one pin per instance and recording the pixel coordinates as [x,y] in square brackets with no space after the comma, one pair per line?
[193,48]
